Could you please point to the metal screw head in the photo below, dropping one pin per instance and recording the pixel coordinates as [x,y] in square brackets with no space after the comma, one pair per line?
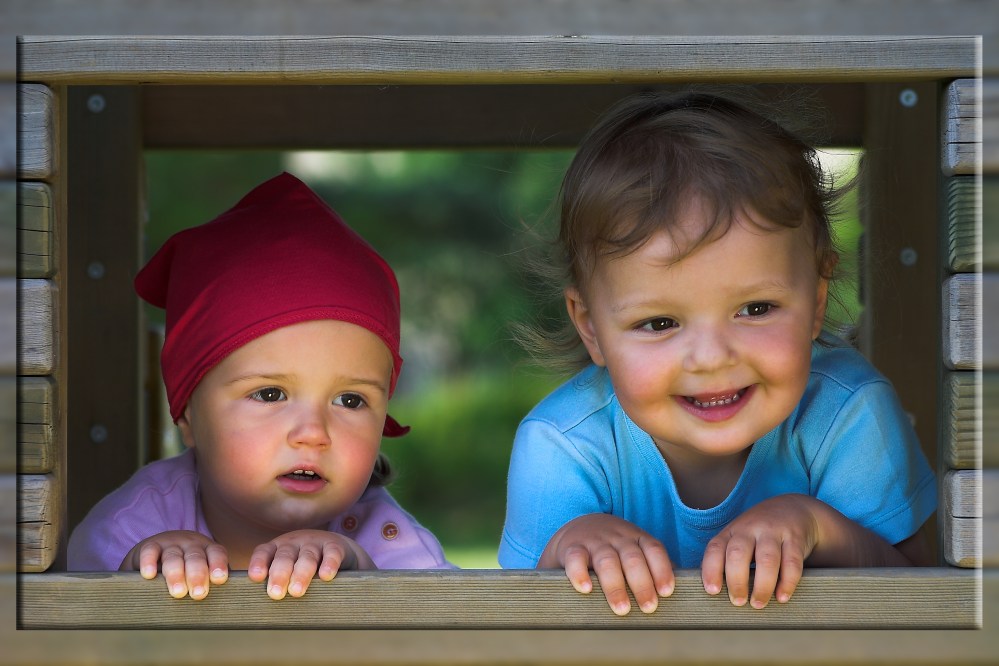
[95,271]
[908,256]
[98,434]
[96,103]
[908,98]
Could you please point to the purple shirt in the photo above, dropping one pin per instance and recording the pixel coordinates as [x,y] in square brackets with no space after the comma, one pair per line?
[163,496]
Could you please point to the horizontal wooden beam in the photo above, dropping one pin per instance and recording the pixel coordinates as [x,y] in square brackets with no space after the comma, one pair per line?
[36,132]
[828,599]
[970,526]
[387,59]
[966,301]
[35,230]
[37,323]
[426,116]
[970,418]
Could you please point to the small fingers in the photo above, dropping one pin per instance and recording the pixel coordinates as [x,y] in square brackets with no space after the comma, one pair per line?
[577,569]
[218,563]
[791,567]
[657,559]
[610,572]
[304,569]
[713,564]
[768,565]
[332,560]
[149,560]
[260,562]
[279,574]
[174,571]
[738,558]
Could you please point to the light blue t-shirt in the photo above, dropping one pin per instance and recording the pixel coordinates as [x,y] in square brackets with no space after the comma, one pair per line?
[848,443]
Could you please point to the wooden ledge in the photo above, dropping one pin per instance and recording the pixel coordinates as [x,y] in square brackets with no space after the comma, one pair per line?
[930,598]
[479,59]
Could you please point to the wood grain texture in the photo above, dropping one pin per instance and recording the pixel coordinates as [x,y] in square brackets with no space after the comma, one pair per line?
[36,132]
[8,133]
[964,223]
[396,59]
[35,230]
[8,228]
[970,432]
[38,497]
[8,523]
[36,425]
[36,325]
[963,304]
[970,525]
[937,598]
[8,424]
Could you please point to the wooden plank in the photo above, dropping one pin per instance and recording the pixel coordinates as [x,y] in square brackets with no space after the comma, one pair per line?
[465,647]
[963,300]
[961,127]
[964,223]
[414,117]
[970,526]
[828,599]
[36,426]
[35,230]
[103,314]
[900,191]
[970,433]
[484,59]
[37,528]
[36,326]
[36,131]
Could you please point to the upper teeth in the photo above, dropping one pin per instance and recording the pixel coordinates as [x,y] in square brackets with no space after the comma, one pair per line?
[714,402]
[307,472]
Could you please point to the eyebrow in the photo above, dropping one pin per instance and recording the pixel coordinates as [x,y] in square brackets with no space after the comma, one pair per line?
[766,285]
[283,378]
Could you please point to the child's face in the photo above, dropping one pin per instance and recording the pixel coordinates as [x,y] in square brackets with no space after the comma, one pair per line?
[287,428]
[730,324]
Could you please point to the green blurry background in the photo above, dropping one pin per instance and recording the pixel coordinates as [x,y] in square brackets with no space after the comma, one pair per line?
[454,227]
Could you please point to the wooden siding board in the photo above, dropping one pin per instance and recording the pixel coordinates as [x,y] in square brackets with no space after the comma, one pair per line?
[36,132]
[967,297]
[484,59]
[36,327]
[929,597]
[970,437]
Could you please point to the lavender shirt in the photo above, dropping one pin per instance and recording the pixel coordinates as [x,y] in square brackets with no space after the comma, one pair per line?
[163,496]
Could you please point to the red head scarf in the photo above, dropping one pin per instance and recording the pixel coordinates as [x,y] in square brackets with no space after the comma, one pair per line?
[278,257]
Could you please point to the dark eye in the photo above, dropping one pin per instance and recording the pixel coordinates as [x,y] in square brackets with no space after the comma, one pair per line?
[269,394]
[350,401]
[659,324]
[755,310]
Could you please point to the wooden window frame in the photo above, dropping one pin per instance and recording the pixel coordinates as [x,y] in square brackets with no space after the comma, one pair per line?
[103,85]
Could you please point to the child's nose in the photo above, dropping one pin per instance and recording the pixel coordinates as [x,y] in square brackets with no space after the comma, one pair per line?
[311,427]
[709,349]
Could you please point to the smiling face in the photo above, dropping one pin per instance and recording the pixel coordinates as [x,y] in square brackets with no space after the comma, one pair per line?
[287,428]
[709,353]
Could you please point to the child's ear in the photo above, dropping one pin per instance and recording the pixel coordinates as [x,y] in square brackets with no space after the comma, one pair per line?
[581,319]
[184,425]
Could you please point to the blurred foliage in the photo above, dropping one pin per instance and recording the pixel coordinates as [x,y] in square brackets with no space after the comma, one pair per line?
[452,225]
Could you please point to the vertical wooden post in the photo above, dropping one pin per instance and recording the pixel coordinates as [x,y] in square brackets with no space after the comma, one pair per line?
[104,185]
[902,269]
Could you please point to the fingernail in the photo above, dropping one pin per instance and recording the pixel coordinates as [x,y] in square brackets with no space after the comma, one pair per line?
[275,592]
[712,589]
[295,589]
[218,574]
[666,590]
[197,592]
[783,597]
[177,590]
[738,601]
[758,604]
[621,609]
[649,607]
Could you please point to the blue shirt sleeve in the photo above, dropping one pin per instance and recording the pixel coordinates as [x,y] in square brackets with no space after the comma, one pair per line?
[870,467]
[550,483]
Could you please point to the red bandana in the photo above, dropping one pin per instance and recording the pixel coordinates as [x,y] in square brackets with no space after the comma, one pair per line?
[278,257]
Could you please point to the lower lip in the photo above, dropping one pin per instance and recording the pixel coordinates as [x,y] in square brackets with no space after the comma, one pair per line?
[302,486]
[718,413]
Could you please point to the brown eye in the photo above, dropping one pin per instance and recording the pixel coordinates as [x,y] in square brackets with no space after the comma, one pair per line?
[755,310]
[659,324]
[269,394]
[350,401]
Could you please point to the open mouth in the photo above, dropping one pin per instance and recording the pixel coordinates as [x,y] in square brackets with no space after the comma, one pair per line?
[303,475]
[707,401]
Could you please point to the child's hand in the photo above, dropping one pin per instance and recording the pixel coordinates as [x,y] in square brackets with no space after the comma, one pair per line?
[777,534]
[621,554]
[185,559]
[292,559]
